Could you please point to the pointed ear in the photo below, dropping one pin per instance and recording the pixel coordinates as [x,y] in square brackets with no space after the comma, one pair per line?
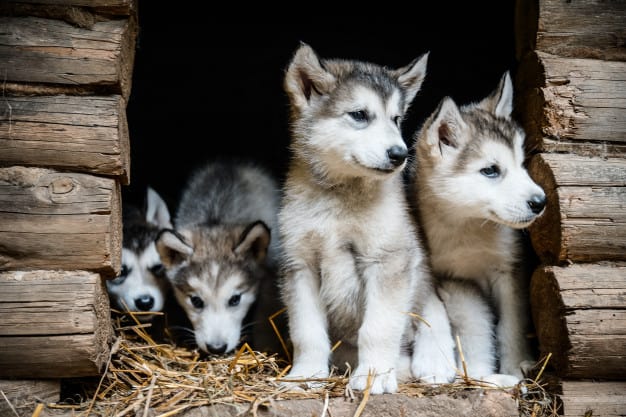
[447,127]
[172,248]
[411,77]
[156,210]
[500,101]
[306,76]
[254,240]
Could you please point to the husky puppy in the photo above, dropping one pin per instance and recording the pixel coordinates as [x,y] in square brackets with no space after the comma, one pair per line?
[473,196]
[220,253]
[141,286]
[352,264]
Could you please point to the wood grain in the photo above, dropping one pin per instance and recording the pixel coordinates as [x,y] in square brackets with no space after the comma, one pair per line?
[585,217]
[48,317]
[580,315]
[49,51]
[59,220]
[77,133]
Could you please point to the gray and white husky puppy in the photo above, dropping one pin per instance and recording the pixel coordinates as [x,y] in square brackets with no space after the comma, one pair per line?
[141,285]
[221,252]
[352,265]
[473,196]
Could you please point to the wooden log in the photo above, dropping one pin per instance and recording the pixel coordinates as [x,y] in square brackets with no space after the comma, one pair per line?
[53,324]
[572,105]
[585,218]
[112,7]
[47,51]
[85,134]
[59,220]
[592,398]
[22,395]
[579,313]
[576,29]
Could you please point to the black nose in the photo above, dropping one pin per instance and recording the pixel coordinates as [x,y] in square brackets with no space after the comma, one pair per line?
[145,302]
[397,154]
[219,349]
[537,202]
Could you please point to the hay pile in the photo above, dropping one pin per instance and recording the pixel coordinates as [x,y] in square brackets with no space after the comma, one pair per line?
[143,377]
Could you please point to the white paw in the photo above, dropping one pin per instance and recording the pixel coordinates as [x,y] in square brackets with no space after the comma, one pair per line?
[304,376]
[501,380]
[432,370]
[382,382]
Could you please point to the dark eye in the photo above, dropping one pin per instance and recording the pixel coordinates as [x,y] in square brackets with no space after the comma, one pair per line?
[234,300]
[122,277]
[157,270]
[491,171]
[359,115]
[397,120]
[196,301]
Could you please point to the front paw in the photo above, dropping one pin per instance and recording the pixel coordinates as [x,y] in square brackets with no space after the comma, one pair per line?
[381,382]
[304,376]
[432,370]
[501,380]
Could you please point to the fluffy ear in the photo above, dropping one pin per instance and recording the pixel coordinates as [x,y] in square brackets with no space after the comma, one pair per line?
[156,210]
[172,248]
[306,76]
[447,127]
[500,101]
[411,77]
[254,240]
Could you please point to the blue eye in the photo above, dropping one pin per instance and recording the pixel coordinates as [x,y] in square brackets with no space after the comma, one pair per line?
[196,301]
[359,115]
[491,171]
[234,300]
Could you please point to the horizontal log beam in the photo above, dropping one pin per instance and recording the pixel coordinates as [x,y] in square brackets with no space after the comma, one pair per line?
[53,324]
[579,313]
[59,220]
[76,133]
[47,51]
[585,218]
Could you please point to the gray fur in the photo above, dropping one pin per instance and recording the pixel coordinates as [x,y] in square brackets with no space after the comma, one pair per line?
[352,268]
[472,196]
[142,285]
[223,252]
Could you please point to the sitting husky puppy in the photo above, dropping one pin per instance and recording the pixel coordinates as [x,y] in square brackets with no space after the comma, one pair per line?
[142,285]
[220,253]
[473,195]
[352,264]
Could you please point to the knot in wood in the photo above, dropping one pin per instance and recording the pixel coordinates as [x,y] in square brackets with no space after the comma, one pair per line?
[61,186]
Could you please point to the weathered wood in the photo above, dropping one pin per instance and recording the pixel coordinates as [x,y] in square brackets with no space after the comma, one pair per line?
[581,101]
[59,220]
[53,324]
[36,50]
[576,29]
[86,134]
[113,7]
[592,398]
[580,316]
[24,394]
[585,218]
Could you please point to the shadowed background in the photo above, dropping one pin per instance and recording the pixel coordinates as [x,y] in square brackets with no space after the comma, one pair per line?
[211,86]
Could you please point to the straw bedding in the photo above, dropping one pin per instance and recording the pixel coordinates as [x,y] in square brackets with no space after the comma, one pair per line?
[144,377]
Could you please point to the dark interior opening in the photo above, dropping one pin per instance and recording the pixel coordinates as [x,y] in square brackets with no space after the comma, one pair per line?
[210,85]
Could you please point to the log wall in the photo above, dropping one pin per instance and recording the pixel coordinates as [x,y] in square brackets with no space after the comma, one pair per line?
[571,100]
[66,68]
